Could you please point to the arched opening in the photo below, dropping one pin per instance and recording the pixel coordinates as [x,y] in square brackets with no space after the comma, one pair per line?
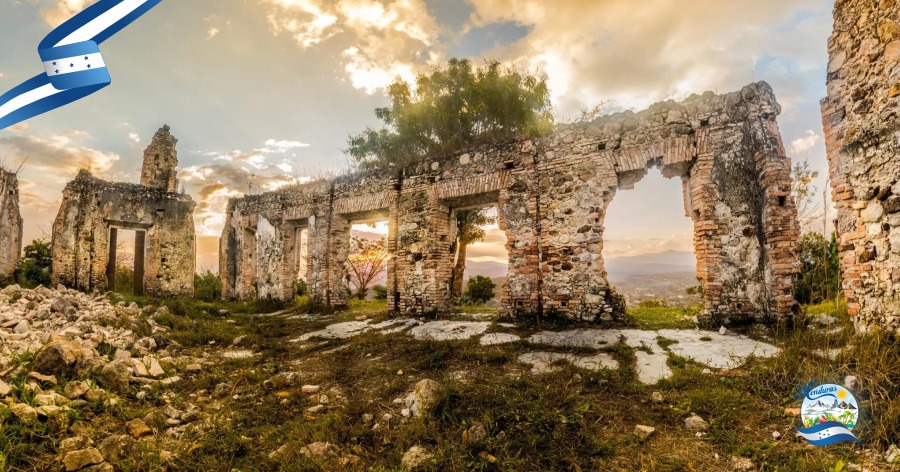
[648,245]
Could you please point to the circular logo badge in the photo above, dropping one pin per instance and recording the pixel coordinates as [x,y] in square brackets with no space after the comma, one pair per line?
[829,402]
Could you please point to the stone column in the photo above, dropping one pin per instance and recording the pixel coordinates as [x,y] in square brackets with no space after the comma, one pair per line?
[111,264]
[140,240]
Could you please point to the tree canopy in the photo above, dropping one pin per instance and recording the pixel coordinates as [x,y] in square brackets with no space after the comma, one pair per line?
[451,108]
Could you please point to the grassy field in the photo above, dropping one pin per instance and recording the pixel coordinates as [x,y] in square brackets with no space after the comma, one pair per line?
[572,420]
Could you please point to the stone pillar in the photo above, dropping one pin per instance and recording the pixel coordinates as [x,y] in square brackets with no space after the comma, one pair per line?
[518,217]
[10,225]
[140,244]
[862,137]
[424,260]
[338,294]
[111,264]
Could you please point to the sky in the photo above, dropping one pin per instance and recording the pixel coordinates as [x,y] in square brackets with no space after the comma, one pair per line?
[263,93]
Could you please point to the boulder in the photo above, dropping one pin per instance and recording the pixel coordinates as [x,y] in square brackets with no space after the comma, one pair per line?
[57,358]
[319,450]
[424,397]
[696,423]
[5,389]
[73,444]
[138,429]
[116,447]
[116,375]
[643,431]
[23,412]
[77,460]
[416,457]
[475,434]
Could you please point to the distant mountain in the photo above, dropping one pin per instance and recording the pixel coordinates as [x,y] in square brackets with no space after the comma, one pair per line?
[668,262]
[486,268]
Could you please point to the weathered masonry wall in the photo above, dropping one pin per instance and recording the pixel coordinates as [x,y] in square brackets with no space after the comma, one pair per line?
[92,213]
[862,132]
[552,195]
[10,224]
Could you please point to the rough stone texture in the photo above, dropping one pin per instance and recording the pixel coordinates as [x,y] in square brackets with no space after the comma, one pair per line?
[862,136]
[93,211]
[160,161]
[10,224]
[552,195]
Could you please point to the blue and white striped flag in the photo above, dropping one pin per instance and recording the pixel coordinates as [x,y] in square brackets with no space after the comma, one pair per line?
[73,66]
[827,433]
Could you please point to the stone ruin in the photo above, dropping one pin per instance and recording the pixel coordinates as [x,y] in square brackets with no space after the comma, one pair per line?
[94,211]
[862,136]
[552,195]
[10,224]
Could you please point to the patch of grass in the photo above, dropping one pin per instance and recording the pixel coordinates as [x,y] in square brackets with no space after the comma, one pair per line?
[661,317]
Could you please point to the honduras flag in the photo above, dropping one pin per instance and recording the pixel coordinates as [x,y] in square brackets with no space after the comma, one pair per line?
[73,66]
[827,433]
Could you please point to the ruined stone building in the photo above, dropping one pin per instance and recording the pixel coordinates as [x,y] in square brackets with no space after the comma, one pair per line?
[10,224]
[552,195]
[94,211]
[862,135]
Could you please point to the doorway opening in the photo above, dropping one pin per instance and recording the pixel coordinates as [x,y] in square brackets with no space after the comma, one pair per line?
[367,260]
[300,259]
[481,259]
[125,268]
[648,247]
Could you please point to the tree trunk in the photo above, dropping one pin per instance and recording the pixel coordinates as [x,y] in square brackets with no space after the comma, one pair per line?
[459,271]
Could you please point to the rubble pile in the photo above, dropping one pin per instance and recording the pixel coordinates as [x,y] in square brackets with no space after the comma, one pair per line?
[30,318]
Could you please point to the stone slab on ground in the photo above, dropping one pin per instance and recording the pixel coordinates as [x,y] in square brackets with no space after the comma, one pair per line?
[449,330]
[716,350]
[496,339]
[548,362]
[651,368]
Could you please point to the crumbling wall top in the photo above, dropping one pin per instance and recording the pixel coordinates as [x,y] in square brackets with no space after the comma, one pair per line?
[160,161]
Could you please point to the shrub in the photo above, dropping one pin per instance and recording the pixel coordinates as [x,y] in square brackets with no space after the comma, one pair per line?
[35,266]
[380,292]
[300,288]
[480,289]
[124,281]
[207,286]
[820,275]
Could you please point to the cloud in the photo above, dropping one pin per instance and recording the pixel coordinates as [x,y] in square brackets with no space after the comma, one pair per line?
[231,174]
[212,32]
[385,39]
[637,53]
[57,158]
[64,10]
[806,143]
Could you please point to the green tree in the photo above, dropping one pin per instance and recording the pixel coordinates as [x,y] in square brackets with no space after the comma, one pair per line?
[34,267]
[479,290]
[470,225]
[820,276]
[452,108]
[448,109]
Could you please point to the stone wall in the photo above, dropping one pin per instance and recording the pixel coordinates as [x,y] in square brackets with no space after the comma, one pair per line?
[93,211]
[10,224]
[552,195]
[862,132]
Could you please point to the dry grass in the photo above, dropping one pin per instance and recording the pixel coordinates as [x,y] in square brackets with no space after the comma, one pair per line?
[569,420]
